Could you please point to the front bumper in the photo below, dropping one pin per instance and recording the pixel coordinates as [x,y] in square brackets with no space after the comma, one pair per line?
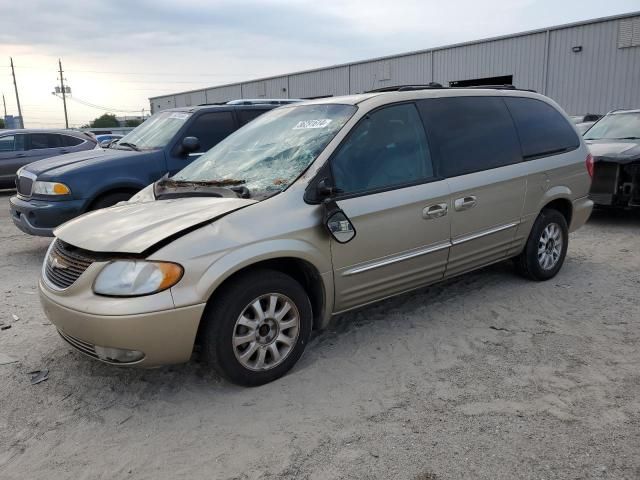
[165,337]
[40,217]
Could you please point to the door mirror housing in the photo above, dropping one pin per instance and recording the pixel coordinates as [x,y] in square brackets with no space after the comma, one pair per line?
[190,144]
[326,189]
[337,223]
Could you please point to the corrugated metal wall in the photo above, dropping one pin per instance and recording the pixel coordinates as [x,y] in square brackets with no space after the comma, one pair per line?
[522,57]
[597,78]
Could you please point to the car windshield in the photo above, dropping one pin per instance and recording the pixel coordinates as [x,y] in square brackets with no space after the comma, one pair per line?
[616,127]
[269,153]
[155,132]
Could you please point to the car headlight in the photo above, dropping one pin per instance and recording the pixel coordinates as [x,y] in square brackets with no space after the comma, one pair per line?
[132,278]
[51,188]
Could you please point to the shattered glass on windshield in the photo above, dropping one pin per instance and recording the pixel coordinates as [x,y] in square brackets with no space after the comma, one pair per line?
[269,153]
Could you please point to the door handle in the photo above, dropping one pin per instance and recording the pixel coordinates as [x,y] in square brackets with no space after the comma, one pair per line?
[435,211]
[465,203]
[21,155]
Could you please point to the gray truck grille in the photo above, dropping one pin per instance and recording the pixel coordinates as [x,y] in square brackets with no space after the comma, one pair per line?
[24,185]
[65,263]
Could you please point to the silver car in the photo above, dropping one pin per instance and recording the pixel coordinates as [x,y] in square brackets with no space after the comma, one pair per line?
[312,210]
[21,147]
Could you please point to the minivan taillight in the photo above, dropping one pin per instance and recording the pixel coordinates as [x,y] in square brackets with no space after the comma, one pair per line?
[589,162]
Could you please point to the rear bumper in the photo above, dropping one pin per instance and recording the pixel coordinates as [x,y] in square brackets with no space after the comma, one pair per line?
[39,217]
[164,337]
[582,208]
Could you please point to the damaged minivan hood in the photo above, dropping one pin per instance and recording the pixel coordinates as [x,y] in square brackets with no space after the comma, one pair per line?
[134,228]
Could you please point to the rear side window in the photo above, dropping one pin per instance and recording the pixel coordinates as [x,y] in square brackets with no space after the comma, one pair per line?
[210,128]
[245,116]
[470,133]
[387,148]
[45,140]
[70,141]
[12,143]
[541,128]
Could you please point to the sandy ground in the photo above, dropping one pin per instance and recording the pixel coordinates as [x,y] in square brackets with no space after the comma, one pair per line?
[487,376]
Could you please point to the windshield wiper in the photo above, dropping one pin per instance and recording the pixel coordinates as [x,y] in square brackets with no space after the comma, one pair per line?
[626,138]
[225,188]
[132,146]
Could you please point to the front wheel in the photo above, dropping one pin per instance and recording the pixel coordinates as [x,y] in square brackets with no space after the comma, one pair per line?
[257,327]
[546,247]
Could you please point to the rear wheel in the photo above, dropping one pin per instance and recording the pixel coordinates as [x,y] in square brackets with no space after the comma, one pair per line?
[546,247]
[257,327]
[110,199]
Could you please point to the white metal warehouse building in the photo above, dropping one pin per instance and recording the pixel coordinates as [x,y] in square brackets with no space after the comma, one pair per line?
[587,67]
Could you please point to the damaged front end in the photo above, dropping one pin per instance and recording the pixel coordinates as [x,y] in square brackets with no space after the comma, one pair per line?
[616,184]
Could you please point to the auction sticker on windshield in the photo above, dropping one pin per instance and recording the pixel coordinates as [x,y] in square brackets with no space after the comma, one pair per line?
[179,116]
[319,123]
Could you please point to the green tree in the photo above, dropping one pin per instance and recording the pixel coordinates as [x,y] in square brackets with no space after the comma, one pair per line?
[133,122]
[108,120]
[1,122]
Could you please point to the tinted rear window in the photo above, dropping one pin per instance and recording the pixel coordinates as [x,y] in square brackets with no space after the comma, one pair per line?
[70,141]
[470,133]
[541,128]
[45,140]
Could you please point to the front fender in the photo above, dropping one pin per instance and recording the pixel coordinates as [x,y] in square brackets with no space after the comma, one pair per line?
[200,285]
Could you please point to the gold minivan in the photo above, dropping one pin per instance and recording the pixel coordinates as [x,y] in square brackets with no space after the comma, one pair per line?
[314,209]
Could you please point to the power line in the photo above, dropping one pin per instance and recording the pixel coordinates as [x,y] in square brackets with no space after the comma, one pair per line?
[110,72]
[100,107]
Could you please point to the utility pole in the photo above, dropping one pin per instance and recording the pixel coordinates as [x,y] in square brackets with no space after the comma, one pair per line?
[15,85]
[64,95]
[4,102]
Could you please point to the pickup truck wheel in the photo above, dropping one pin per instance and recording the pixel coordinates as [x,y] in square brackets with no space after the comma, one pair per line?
[257,327]
[109,200]
[546,247]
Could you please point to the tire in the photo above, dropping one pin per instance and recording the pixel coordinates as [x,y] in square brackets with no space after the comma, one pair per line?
[235,340]
[533,262]
[109,200]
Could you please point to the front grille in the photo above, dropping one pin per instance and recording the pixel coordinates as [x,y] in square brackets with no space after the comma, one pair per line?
[84,347]
[24,186]
[65,263]
[605,178]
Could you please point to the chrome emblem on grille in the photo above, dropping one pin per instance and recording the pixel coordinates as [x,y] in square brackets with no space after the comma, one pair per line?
[56,261]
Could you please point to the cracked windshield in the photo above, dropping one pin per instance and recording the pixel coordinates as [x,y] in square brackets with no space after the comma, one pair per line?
[272,151]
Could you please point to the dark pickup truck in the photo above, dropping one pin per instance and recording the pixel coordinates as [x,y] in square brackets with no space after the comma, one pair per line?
[57,189]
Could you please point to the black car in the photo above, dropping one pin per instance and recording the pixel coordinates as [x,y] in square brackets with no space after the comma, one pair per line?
[614,142]
[57,189]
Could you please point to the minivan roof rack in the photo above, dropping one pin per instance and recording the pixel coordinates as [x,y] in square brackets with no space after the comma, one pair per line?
[406,88]
[435,85]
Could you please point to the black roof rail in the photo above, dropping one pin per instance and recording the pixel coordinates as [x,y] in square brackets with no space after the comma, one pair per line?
[210,104]
[406,88]
[506,86]
[435,85]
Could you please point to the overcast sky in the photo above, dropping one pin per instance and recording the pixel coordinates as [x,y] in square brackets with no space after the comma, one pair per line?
[117,53]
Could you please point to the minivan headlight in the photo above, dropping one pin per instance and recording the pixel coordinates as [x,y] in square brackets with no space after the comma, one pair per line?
[51,188]
[132,278]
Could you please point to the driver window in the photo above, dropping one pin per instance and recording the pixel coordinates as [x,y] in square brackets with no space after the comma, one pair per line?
[387,148]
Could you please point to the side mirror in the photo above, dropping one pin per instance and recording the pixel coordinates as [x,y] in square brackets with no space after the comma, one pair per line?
[190,144]
[325,189]
[337,223]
